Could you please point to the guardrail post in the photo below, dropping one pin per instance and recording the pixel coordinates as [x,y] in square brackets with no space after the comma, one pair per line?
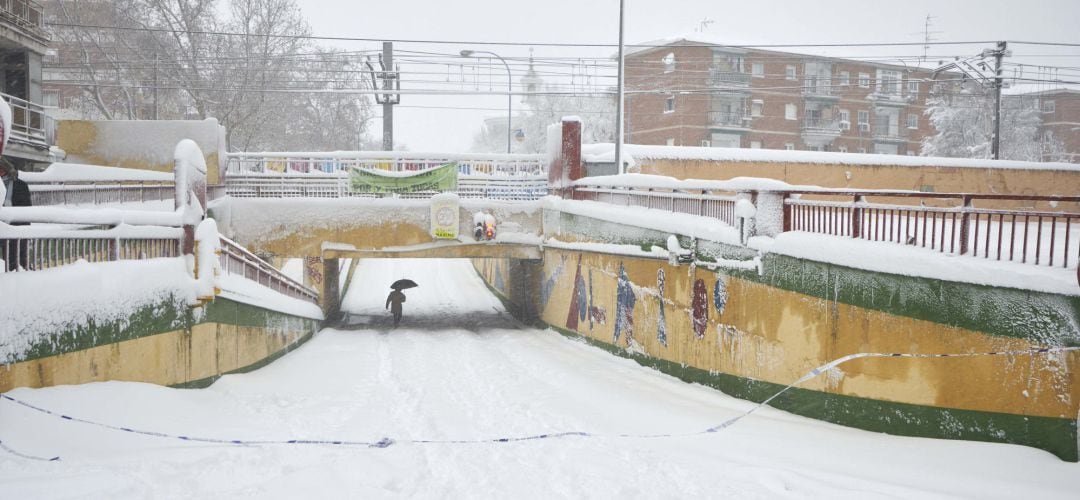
[787,211]
[965,224]
[856,217]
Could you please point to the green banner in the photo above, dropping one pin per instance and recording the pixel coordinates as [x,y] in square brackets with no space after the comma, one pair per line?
[438,179]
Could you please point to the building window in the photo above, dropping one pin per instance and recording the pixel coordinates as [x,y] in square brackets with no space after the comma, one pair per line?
[789,72]
[757,107]
[845,78]
[913,87]
[845,119]
[842,149]
[789,146]
[864,120]
[755,144]
[669,62]
[758,70]
[669,104]
[671,141]
[864,80]
[888,82]
[791,112]
[1049,106]
[912,121]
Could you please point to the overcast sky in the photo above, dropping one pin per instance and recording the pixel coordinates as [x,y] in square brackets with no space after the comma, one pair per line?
[589,21]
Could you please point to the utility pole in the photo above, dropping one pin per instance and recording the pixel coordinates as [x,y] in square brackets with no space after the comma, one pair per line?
[389,80]
[156,85]
[619,105]
[995,146]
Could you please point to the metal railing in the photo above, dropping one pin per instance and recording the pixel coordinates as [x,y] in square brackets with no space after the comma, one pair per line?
[717,206]
[893,135]
[29,123]
[40,253]
[237,260]
[729,119]
[821,125]
[517,188]
[97,193]
[718,78]
[331,163]
[24,13]
[1039,237]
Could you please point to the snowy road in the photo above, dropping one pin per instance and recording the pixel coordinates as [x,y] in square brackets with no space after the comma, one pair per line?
[459,368]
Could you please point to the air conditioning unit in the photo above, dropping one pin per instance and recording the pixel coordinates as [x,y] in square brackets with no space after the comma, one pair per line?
[845,125]
[864,127]
[705,144]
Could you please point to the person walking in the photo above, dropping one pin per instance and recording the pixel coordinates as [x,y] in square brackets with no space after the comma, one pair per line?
[393,302]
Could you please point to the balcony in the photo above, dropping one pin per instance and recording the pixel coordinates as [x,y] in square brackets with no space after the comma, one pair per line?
[26,15]
[29,123]
[821,128]
[819,88]
[728,79]
[729,120]
[884,134]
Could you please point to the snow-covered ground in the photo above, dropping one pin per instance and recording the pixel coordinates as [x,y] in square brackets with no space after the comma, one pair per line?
[460,368]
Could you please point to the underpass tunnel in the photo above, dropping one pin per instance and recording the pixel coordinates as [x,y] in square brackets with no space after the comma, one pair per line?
[450,295]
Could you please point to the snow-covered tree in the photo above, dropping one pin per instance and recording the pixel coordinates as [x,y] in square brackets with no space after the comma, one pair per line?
[270,87]
[964,123]
[597,116]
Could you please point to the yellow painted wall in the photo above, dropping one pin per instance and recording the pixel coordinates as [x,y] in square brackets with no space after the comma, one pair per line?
[775,335]
[170,358]
[939,179]
[150,143]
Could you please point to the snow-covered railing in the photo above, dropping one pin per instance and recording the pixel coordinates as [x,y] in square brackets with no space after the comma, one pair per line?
[703,202]
[1040,237]
[521,187]
[389,161]
[98,193]
[1038,230]
[31,249]
[237,260]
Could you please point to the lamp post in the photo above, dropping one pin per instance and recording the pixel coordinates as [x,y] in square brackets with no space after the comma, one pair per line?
[509,90]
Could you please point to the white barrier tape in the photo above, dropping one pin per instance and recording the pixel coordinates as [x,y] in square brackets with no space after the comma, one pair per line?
[386,441]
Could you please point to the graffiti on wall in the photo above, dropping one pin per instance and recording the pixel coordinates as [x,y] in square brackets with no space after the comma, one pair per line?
[549,284]
[624,307]
[720,296]
[578,300]
[699,308]
[661,323]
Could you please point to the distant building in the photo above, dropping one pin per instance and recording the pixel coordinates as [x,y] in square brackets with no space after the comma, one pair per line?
[685,92]
[1060,130]
[23,44]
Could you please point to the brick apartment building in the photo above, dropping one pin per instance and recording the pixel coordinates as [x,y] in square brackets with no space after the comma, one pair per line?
[1060,122]
[689,93]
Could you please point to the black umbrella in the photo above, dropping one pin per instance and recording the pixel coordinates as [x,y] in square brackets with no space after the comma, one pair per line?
[403,284]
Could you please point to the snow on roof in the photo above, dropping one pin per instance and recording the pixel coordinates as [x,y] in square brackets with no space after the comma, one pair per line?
[76,172]
[605,153]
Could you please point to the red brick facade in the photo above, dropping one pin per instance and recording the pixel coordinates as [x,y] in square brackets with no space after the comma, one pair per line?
[776,100]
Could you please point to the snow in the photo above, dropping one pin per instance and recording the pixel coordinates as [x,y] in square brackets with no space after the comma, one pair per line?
[605,153]
[40,304]
[383,155]
[120,231]
[294,268]
[75,172]
[922,262]
[459,368]
[649,181]
[654,252]
[696,226]
[95,216]
[744,209]
[240,289]
[572,118]
[207,249]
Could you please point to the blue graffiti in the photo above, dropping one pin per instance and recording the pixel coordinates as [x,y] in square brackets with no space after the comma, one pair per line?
[720,295]
[624,306]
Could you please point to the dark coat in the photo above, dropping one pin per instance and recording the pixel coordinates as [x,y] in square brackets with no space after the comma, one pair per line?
[20,196]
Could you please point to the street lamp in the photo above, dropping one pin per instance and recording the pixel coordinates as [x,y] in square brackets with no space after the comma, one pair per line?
[509,90]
